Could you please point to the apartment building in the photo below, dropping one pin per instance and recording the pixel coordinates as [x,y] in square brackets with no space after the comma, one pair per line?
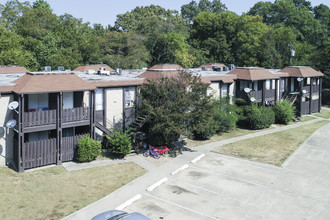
[44,114]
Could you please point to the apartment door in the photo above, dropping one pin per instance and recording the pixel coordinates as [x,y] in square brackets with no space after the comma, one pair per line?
[67,100]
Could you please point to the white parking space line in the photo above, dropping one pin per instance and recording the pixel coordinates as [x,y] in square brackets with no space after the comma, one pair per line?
[160,182]
[129,202]
[180,206]
[180,169]
[197,158]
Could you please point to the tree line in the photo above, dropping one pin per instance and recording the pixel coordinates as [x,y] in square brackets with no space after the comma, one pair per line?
[202,32]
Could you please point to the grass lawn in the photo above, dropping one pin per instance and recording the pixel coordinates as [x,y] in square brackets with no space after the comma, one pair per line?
[306,118]
[325,113]
[226,135]
[54,193]
[273,148]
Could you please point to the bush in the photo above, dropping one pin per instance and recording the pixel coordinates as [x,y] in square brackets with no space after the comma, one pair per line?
[225,116]
[326,96]
[87,149]
[258,117]
[204,130]
[120,142]
[284,112]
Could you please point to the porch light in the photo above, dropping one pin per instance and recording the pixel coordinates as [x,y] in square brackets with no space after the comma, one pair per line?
[304,91]
[299,79]
[252,99]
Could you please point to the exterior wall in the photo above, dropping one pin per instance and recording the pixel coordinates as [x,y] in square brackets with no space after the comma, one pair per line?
[114,108]
[214,90]
[6,135]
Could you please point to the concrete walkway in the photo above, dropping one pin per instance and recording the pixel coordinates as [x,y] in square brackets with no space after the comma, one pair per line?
[139,185]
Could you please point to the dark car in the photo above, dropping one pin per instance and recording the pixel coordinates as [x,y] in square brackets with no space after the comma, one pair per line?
[119,215]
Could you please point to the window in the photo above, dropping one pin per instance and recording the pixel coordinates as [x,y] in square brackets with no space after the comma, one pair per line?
[243,85]
[99,99]
[255,86]
[129,97]
[224,90]
[282,85]
[268,84]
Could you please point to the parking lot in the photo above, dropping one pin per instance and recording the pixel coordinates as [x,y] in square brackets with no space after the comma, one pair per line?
[223,187]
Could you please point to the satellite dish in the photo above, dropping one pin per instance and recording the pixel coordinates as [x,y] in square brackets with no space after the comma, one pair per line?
[13,105]
[300,79]
[252,99]
[247,90]
[11,123]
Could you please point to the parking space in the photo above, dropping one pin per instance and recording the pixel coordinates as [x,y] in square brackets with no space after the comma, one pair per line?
[223,187]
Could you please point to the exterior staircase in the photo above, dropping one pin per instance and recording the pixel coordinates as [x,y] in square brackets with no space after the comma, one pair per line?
[138,123]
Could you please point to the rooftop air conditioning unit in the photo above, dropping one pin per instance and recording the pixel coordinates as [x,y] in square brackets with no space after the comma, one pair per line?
[118,71]
[231,66]
[47,69]
[60,68]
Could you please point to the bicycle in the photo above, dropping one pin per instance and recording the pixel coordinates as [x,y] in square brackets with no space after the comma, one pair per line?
[151,152]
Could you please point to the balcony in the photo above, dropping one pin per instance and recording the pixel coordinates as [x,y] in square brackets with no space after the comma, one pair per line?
[49,117]
[39,118]
[76,114]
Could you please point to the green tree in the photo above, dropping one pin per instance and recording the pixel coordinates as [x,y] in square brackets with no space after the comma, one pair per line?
[11,12]
[124,50]
[12,51]
[170,103]
[248,41]
[215,34]
[191,10]
[43,4]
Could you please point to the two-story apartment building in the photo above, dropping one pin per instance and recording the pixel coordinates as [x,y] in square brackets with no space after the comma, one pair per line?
[53,109]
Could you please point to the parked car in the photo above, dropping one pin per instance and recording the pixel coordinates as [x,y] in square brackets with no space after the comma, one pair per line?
[119,215]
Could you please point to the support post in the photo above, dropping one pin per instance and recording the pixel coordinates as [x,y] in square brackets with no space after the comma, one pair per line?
[20,145]
[92,113]
[263,99]
[59,117]
[320,94]
[276,90]
[310,94]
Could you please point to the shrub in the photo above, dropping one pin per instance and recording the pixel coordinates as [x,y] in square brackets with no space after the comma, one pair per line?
[120,142]
[258,117]
[225,116]
[326,96]
[204,130]
[284,112]
[87,149]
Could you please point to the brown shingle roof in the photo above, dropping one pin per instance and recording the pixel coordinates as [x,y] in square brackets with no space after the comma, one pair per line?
[166,67]
[209,66]
[44,83]
[253,73]
[301,71]
[161,70]
[223,78]
[118,83]
[13,69]
[96,67]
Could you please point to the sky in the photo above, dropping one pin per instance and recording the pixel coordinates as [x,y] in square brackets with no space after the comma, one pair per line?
[105,11]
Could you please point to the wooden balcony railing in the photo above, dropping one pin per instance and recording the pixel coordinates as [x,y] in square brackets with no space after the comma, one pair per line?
[48,117]
[39,118]
[76,114]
